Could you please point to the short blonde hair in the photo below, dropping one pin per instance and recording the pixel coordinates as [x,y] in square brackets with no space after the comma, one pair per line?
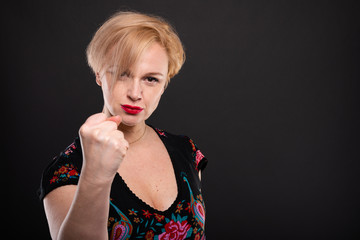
[124,36]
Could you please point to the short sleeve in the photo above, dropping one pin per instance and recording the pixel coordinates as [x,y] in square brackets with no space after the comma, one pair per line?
[63,170]
[198,158]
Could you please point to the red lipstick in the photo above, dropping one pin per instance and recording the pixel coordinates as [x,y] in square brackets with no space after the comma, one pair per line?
[131,109]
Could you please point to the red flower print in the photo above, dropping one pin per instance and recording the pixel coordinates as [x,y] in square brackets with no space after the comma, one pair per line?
[188,208]
[198,157]
[64,173]
[175,230]
[54,179]
[73,173]
[63,170]
[161,132]
[159,217]
[149,235]
[146,213]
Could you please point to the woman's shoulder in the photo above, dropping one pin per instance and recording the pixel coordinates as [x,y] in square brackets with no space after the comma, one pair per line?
[187,145]
[178,140]
[64,169]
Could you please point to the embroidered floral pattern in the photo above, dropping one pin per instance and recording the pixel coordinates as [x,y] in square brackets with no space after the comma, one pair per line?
[64,173]
[160,132]
[196,205]
[70,149]
[122,228]
[159,217]
[192,145]
[176,230]
[198,157]
[149,235]
[197,154]
[186,221]
[146,213]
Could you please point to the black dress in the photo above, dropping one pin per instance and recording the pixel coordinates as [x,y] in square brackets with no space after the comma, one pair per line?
[129,216]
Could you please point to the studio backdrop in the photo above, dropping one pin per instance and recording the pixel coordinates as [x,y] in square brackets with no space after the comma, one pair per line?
[269,91]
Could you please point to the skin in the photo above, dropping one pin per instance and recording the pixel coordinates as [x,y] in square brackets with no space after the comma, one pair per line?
[127,146]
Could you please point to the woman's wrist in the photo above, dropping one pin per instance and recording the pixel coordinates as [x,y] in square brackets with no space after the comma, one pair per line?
[91,180]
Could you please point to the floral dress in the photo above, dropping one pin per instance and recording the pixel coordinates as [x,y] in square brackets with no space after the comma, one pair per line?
[130,217]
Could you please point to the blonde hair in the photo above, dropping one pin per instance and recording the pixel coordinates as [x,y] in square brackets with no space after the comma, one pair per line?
[124,36]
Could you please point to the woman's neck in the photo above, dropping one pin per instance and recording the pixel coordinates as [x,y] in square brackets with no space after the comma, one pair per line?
[135,133]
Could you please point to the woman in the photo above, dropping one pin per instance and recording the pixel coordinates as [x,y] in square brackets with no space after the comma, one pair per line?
[123,179]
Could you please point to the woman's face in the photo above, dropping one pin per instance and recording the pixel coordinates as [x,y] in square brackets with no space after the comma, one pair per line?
[136,94]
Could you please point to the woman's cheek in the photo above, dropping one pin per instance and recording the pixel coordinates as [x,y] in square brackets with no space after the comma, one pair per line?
[153,106]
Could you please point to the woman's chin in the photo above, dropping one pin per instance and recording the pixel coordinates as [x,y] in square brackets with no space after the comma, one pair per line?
[131,120]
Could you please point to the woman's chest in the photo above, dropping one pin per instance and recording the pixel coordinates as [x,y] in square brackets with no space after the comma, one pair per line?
[150,175]
[131,218]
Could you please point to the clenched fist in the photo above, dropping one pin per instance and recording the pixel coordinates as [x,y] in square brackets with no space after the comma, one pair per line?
[103,146]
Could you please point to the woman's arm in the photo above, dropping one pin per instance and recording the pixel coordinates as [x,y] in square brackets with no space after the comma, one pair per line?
[78,212]
[81,212]
[57,204]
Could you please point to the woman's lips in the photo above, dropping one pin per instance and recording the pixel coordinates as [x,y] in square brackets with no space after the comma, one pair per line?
[131,109]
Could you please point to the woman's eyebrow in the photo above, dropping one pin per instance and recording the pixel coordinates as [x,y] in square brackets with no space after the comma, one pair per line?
[154,73]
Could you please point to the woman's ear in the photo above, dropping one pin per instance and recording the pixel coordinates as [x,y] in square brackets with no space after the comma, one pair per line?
[98,79]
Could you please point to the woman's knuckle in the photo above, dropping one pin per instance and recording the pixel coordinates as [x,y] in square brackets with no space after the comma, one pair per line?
[83,130]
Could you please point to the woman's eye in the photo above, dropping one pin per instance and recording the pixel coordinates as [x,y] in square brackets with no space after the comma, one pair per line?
[152,79]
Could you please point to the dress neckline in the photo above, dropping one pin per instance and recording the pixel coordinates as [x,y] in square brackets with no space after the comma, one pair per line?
[161,134]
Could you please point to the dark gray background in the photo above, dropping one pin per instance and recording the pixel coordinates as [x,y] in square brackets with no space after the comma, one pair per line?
[269,92]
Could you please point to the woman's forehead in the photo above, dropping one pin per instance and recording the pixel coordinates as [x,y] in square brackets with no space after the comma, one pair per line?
[153,59]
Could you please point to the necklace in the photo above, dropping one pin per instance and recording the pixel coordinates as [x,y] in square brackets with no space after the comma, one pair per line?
[139,137]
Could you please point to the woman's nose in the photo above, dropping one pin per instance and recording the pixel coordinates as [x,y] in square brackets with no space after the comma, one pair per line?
[134,90]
